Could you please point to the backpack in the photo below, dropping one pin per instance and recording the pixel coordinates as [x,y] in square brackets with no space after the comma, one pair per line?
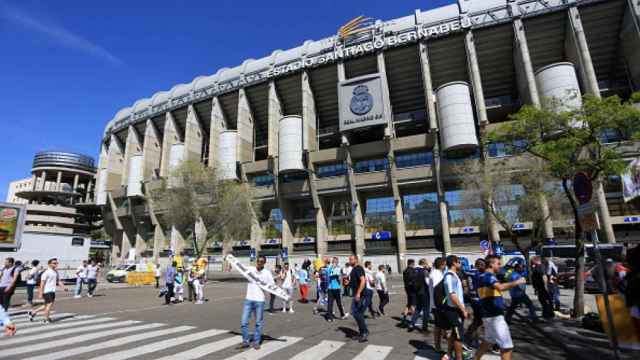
[440,295]
[408,278]
[418,280]
[38,277]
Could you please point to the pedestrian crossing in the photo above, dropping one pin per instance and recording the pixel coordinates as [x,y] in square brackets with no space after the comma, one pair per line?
[108,338]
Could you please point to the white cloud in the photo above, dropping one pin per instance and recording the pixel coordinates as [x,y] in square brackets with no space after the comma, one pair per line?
[58,34]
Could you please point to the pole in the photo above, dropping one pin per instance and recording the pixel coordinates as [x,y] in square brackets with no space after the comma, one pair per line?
[603,284]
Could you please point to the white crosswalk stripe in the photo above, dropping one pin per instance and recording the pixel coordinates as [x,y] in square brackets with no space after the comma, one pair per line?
[204,350]
[25,318]
[62,325]
[320,351]
[38,322]
[46,333]
[374,352]
[75,340]
[266,348]
[111,343]
[161,345]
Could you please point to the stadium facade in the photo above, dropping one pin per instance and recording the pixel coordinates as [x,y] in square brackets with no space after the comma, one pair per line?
[349,140]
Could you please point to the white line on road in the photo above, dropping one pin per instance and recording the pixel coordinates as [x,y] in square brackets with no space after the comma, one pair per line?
[56,322]
[56,326]
[204,350]
[160,345]
[374,352]
[266,349]
[46,333]
[110,343]
[25,318]
[78,339]
[320,351]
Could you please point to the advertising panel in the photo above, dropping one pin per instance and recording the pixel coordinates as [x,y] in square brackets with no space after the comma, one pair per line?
[362,102]
[12,217]
[631,181]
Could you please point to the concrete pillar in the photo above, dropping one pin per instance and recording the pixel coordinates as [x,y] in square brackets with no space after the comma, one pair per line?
[433,129]
[274,116]
[399,211]
[476,80]
[43,180]
[200,233]
[322,232]
[630,41]
[169,138]
[245,129]
[141,245]
[34,181]
[578,48]
[286,208]
[218,124]
[151,151]
[76,179]
[524,68]
[177,240]
[193,136]
[388,112]
[125,245]
[158,241]
[309,117]
[115,164]
[89,188]
[132,147]
[257,232]
[58,181]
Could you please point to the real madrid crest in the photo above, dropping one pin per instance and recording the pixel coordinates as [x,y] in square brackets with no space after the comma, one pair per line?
[361,101]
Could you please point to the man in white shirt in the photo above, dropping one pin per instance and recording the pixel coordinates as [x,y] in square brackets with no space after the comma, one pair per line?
[92,277]
[370,286]
[381,288]
[435,277]
[48,282]
[288,279]
[254,303]
[81,277]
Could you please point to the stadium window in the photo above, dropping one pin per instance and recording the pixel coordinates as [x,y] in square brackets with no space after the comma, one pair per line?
[501,149]
[263,180]
[329,170]
[414,159]
[609,136]
[371,165]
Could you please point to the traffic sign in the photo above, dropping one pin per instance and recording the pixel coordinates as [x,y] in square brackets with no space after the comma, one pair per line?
[484,245]
[381,235]
[582,187]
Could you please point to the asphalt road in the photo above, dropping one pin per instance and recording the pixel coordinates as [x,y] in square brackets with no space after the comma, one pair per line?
[132,322]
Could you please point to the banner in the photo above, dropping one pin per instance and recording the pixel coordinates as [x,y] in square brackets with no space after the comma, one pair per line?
[12,217]
[251,277]
[631,181]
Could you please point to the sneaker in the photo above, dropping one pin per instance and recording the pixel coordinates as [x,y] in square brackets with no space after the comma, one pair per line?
[31,316]
[90,295]
[77,297]
[46,321]
[284,310]
[465,347]
[363,338]
[330,320]
[256,346]
[345,316]
[315,311]
[495,350]
[242,346]
[291,311]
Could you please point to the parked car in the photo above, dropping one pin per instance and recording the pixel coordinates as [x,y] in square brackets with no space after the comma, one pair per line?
[120,272]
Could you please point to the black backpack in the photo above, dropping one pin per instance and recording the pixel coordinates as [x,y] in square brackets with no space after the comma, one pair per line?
[440,295]
[408,278]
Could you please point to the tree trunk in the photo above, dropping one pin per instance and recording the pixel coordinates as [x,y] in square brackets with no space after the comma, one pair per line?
[578,297]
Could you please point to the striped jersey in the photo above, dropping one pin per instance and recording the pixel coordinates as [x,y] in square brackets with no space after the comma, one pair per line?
[490,298]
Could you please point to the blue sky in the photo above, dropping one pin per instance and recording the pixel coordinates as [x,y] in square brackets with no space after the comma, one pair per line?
[68,66]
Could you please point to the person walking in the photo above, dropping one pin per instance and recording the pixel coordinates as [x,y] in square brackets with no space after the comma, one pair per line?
[32,280]
[178,287]
[408,277]
[156,273]
[473,284]
[358,282]
[6,324]
[93,270]
[519,295]
[496,330]
[346,275]
[539,282]
[278,282]
[254,303]
[334,289]
[371,287]
[169,282]
[381,288]
[200,279]
[192,269]
[322,280]
[552,282]
[303,283]
[8,280]
[81,278]
[288,283]
[454,312]
[49,280]
[435,278]
[420,289]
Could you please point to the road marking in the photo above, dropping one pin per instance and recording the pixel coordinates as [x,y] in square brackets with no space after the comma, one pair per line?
[78,339]
[204,350]
[56,322]
[374,352]
[54,326]
[160,345]
[320,351]
[26,317]
[266,348]
[47,333]
[110,343]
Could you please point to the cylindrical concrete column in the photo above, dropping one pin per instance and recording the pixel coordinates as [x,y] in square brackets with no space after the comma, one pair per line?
[603,212]
[76,179]
[58,180]
[43,180]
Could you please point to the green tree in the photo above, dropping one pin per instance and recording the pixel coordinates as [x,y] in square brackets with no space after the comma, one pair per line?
[570,140]
[193,194]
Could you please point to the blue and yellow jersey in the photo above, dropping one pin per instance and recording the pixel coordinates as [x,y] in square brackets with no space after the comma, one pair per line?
[490,298]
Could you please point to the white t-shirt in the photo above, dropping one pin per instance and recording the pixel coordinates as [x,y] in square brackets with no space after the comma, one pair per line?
[50,280]
[81,272]
[381,281]
[435,276]
[31,276]
[92,271]
[254,292]
[369,275]
[453,285]
[288,279]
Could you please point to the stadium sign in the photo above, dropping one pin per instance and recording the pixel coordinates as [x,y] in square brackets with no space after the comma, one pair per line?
[361,102]
[339,52]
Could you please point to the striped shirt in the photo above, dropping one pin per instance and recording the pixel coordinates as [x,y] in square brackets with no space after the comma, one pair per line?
[490,298]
